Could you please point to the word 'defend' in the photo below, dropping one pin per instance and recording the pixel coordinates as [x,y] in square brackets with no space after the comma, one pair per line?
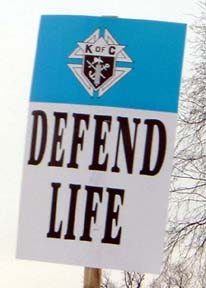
[125,140]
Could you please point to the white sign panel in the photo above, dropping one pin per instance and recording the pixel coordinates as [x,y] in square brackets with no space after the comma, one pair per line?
[100,140]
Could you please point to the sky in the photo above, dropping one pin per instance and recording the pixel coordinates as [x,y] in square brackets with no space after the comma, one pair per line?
[19,22]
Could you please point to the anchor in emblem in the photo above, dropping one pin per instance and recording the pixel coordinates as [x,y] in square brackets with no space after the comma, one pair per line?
[97,66]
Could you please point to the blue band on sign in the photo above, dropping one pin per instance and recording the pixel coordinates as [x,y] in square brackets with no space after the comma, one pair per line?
[109,62]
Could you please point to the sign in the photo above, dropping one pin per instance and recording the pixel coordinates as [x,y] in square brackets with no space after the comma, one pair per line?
[100,137]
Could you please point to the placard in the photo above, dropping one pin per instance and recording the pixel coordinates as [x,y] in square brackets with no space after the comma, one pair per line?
[99,145]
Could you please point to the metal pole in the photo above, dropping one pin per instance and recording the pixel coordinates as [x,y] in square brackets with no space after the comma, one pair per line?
[92,277]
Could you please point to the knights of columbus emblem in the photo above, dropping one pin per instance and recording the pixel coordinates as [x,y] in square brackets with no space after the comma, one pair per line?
[98,71]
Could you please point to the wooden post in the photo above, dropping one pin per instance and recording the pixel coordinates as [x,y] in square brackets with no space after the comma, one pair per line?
[92,277]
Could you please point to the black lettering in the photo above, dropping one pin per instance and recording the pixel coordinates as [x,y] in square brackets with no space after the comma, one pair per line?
[77,139]
[99,142]
[57,139]
[38,116]
[151,123]
[72,212]
[129,148]
[52,233]
[90,212]
[112,50]
[88,48]
[113,215]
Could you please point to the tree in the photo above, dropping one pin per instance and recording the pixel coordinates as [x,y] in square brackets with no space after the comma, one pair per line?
[130,280]
[175,276]
[187,218]
[107,281]
[186,232]
[185,251]
[133,279]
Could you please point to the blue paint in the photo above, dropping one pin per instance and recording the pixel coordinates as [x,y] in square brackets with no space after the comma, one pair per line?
[156,49]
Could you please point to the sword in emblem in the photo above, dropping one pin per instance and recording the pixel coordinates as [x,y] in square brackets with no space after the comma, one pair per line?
[96,76]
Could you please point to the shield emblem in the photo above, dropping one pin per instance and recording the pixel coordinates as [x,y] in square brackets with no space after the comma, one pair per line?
[98,69]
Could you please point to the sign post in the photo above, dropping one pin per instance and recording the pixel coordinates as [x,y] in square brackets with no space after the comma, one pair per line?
[92,278]
[100,138]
